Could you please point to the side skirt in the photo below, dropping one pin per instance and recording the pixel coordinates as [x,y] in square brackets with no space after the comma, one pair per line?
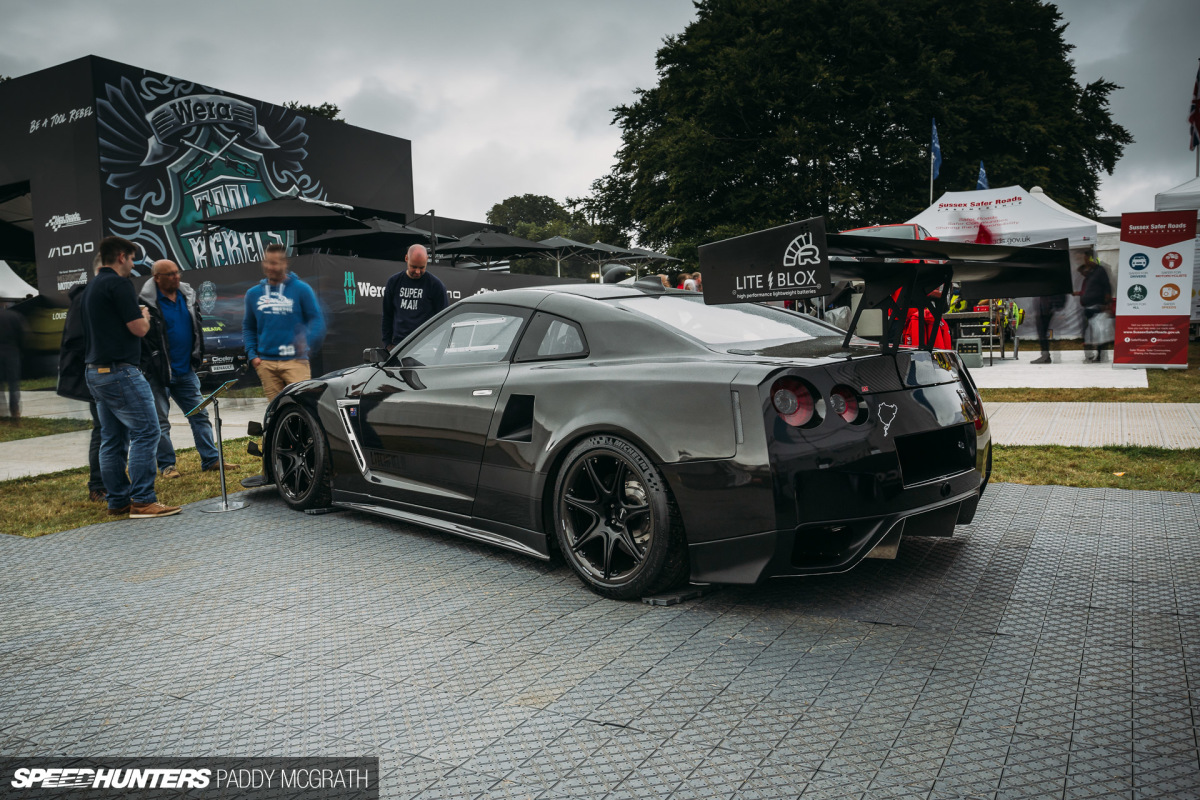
[456,528]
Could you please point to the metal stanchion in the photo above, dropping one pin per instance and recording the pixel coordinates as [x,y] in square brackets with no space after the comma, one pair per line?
[225,504]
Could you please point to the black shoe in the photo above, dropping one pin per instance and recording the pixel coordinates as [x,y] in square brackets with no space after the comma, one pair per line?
[97,495]
[253,481]
[1045,359]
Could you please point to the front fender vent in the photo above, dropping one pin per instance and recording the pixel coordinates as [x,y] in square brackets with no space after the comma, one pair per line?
[516,424]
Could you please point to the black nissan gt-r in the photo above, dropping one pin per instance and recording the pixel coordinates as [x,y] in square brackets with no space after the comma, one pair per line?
[651,438]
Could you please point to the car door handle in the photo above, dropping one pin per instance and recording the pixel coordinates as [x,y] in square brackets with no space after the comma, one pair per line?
[481,393]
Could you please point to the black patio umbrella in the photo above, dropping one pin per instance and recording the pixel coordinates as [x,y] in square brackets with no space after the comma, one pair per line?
[642,254]
[286,214]
[567,248]
[488,245]
[614,253]
[379,237]
[609,253]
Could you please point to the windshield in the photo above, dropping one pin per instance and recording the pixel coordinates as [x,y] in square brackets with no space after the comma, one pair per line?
[739,323]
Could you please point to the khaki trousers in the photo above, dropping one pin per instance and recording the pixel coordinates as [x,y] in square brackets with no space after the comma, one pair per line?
[277,374]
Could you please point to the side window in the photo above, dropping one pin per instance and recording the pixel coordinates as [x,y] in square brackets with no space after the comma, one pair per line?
[550,337]
[469,337]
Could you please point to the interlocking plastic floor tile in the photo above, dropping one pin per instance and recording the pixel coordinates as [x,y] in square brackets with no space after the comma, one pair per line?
[1049,648]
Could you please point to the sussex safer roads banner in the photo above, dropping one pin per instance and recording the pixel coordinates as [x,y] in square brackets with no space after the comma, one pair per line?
[1154,289]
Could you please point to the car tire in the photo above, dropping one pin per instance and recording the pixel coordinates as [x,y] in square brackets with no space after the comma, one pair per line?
[300,460]
[616,522]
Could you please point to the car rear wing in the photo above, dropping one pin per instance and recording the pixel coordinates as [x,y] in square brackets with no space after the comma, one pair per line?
[799,260]
[916,268]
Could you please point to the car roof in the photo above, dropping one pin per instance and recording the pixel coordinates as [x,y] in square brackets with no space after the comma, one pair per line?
[532,295]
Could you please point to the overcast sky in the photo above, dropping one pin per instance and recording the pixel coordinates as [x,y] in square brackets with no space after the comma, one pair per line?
[504,98]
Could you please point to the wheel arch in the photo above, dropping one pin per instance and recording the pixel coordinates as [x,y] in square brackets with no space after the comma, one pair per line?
[281,404]
[557,457]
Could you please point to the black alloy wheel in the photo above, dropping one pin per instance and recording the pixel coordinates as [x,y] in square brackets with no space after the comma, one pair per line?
[615,521]
[300,460]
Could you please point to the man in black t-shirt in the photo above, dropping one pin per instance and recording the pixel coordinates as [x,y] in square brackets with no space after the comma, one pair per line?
[411,297]
[115,324]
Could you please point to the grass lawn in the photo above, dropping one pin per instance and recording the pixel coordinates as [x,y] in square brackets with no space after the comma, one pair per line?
[1147,468]
[59,501]
[37,384]
[1166,386]
[29,427]
[51,383]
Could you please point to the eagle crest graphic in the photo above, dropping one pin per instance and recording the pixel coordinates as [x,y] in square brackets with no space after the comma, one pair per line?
[173,151]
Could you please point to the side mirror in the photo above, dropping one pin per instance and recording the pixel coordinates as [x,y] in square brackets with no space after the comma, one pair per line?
[375,355]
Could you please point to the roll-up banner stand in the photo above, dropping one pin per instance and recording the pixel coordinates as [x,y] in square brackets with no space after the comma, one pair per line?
[1154,289]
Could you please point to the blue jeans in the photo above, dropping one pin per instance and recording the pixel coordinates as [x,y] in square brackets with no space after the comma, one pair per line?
[185,389]
[95,479]
[128,431]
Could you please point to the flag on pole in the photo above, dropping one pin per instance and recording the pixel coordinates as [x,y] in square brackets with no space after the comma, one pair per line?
[1193,115]
[936,151]
[981,181]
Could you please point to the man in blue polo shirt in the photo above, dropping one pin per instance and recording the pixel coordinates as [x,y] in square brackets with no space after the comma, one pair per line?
[129,432]
[175,347]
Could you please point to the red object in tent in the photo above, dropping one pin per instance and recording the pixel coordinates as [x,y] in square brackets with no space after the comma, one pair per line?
[912,336]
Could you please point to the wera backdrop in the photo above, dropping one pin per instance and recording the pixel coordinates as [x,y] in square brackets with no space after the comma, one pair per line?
[99,148]
[104,148]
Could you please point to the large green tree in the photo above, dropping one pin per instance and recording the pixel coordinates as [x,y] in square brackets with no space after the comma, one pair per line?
[768,111]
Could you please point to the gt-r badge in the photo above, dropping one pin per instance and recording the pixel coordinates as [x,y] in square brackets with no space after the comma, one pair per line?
[887,415]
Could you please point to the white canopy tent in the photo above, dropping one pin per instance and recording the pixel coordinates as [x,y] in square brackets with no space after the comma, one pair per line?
[1185,197]
[1013,216]
[11,285]
[1008,215]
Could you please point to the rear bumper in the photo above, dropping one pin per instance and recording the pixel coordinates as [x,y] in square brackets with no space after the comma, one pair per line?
[817,548]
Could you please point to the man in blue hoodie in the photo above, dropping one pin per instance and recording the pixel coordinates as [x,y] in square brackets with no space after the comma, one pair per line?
[282,326]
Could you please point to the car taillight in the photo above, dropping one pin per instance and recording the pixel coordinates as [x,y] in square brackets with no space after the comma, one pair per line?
[793,401]
[970,394]
[845,402]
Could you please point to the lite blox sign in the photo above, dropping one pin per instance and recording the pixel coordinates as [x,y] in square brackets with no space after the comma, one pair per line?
[785,263]
[202,778]
[1154,289]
